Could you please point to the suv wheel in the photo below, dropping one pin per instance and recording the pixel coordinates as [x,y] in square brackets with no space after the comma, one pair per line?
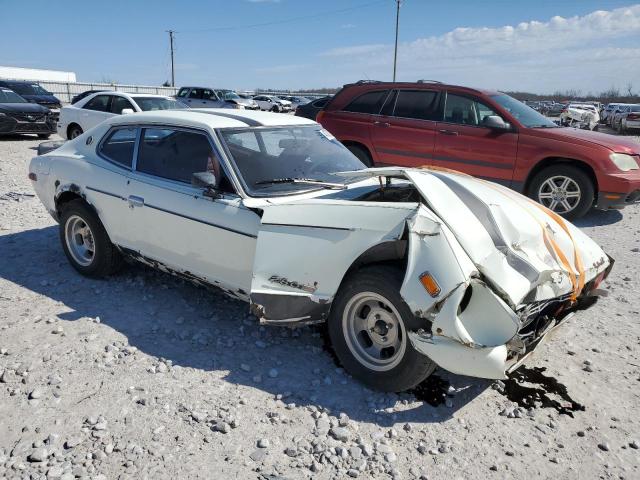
[85,241]
[362,154]
[368,328]
[563,189]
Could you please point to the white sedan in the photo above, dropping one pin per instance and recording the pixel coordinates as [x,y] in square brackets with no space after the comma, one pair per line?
[94,109]
[410,268]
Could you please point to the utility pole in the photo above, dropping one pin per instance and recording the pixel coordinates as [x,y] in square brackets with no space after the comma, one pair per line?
[173,74]
[395,53]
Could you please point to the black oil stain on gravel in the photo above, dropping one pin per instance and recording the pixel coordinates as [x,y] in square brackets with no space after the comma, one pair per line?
[537,395]
[432,390]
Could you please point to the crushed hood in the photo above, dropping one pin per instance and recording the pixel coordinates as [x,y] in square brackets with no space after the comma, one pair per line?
[525,251]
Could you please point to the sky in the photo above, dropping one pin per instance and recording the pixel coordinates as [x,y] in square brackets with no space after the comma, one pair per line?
[538,46]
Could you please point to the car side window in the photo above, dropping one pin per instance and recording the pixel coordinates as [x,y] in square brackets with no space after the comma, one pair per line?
[370,102]
[120,103]
[177,154]
[98,104]
[420,104]
[195,93]
[208,95]
[183,92]
[119,146]
[465,110]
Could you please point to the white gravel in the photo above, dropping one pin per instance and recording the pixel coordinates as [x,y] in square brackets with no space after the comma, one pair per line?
[145,376]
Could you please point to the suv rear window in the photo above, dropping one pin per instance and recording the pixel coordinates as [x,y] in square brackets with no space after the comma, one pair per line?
[370,102]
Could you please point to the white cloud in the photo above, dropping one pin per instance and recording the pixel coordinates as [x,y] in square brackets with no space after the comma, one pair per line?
[531,55]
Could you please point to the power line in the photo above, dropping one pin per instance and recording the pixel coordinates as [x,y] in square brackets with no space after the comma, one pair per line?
[287,20]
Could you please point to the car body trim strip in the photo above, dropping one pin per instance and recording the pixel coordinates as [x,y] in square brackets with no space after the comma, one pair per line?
[115,195]
[306,226]
[228,229]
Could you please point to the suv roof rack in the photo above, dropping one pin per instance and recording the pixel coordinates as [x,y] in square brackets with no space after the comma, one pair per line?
[422,80]
[363,82]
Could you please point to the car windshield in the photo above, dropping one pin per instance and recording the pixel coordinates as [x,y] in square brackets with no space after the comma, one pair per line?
[7,96]
[28,89]
[158,103]
[227,94]
[287,160]
[526,115]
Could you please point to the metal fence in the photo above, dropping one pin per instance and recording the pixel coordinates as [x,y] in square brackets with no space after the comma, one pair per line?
[66,90]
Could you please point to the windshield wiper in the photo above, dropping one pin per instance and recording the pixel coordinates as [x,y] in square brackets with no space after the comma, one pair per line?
[309,181]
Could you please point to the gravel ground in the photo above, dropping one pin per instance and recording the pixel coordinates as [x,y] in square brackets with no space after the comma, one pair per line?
[145,376]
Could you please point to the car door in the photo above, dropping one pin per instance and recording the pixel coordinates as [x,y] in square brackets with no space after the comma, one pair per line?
[463,143]
[210,99]
[404,131]
[176,224]
[95,111]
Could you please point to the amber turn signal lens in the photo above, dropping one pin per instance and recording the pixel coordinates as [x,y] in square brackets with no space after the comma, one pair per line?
[430,285]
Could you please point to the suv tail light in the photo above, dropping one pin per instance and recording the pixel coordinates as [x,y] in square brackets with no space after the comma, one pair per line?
[633,116]
[319,116]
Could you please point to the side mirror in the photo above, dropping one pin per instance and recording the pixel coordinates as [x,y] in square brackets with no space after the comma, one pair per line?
[126,111]
[206,181]
[495,122]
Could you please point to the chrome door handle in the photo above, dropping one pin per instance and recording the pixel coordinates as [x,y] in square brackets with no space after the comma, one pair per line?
[382,124]
[448,132]
[135,201]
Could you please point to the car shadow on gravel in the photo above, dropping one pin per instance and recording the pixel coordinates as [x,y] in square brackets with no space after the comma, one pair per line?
[196,328]
[598,218]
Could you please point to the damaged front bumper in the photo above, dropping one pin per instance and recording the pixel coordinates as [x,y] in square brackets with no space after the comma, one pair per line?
[537,322]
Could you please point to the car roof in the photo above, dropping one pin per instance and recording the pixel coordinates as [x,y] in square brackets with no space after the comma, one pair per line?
[213,118]
[424,83]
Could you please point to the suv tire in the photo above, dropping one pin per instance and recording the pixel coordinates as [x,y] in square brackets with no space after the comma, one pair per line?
[362,154]
[563,182]
[375,292]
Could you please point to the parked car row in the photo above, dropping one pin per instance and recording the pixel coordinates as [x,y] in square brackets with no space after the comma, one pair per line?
[622,117]
[26,107]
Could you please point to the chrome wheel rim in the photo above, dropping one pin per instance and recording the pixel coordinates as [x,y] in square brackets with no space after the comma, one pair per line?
[374,331]
[80,240]
[559,194]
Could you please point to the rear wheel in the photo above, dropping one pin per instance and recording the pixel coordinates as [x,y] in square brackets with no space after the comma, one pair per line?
[564,189]
[74,131]
[368,329]
[362,154]
[85,241]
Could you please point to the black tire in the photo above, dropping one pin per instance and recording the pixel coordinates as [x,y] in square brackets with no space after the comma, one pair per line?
[106,257]
[74,131]
[362,154]
[275,109]
[44,136]
[413,367]
[587,188]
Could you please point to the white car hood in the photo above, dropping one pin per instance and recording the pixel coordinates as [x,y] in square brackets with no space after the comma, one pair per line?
[525,251]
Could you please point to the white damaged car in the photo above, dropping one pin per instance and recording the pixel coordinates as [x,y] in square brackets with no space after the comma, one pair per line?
[409,268]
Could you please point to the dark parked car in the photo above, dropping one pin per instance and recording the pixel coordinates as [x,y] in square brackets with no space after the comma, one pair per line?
[310,110]
[80,96]
[19,116]
[486,134]
[34,93]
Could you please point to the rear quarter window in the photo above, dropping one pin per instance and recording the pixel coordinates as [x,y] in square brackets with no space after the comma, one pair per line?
[119,146]
[370,102]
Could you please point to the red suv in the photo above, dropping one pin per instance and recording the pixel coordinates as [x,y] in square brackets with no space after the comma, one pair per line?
[486,134]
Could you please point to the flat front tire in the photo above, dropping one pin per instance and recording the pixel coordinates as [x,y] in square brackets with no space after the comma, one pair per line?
[85,241]
[368,328]
[563,189]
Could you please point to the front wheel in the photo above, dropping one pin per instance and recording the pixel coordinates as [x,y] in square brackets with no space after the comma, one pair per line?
[74,132]
[368,328]
[563,189]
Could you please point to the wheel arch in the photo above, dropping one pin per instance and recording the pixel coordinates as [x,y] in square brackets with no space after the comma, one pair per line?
[355,143]
[71,125]
[553,161]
